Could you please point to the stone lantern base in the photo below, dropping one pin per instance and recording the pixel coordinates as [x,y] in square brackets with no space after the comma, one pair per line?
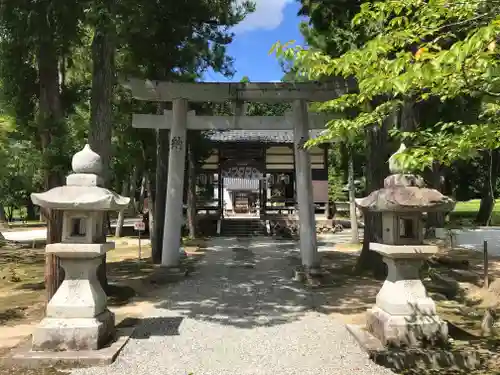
[63,334]
[77,317]
[404,315]
[409,330]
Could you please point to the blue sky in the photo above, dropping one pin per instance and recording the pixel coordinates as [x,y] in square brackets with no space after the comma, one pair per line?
[273,20]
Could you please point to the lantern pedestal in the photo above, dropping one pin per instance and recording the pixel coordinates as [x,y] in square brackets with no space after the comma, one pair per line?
[74,334]
[77,317]
[78,329]
[403,313]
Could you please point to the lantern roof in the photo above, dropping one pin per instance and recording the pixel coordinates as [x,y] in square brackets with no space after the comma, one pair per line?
[405,192]
[83,190]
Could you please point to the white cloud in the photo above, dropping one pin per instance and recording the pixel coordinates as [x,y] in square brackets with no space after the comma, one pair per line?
[268,15]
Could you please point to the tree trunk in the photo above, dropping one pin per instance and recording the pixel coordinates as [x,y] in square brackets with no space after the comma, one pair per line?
[30,211]
[52,134]
[140,205]
[3,217]
[151,208]
[435,219]
[162,153]
[101,112]
[157,213]
[409,116]
[191,193]
[133,189]
[352,197]
[376,170]
[489,189]
[121,214]
[149,192]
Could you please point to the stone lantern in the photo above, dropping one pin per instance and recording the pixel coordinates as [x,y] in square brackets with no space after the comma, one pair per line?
[404,314]
[77,317]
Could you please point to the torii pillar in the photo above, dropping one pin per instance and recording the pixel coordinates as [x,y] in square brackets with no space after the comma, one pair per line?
[174,215]
[297,92]
[307,220]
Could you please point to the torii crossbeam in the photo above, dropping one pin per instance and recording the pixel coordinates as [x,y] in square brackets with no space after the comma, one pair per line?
[179,120]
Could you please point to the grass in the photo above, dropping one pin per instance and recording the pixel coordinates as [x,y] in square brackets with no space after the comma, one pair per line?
[21,283]
[22,294]
[472,206]
[465,213]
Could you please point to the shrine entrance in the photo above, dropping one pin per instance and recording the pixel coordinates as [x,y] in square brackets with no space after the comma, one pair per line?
[242,181]
[297,122]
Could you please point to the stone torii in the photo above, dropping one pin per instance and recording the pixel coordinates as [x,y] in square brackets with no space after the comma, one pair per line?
[180,119]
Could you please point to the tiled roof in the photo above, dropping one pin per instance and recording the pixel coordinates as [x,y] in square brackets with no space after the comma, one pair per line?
[265,136]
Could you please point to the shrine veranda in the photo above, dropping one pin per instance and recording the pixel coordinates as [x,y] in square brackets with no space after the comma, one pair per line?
[258,166]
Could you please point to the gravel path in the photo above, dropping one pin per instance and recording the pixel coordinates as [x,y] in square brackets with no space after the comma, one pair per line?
[240,315]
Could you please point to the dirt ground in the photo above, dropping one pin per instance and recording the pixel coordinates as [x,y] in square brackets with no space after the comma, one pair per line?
[22,294]
[453,278]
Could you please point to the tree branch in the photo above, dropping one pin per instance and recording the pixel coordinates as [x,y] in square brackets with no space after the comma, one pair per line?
[469,85]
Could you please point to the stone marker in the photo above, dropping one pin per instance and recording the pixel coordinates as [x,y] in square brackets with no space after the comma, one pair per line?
[77,317]
[403,313]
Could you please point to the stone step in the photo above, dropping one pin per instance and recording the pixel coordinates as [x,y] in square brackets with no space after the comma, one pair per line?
[242,227]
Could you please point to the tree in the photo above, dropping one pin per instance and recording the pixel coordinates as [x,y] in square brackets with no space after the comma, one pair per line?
[101,104]
[198,32]
[330,30]
[352,196]
[34,38]
[199,148]
[422,51]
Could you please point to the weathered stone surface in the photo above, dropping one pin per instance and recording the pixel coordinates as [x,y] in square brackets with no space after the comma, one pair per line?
[82,191]
[395,164]
[450,262]
[84,179]
[77,318]
[80,295]
[423,359]
[61,334]
[410,330]
[86,161]
[404,314]
[403,293]
[449,283]
[411,252]
[402,180]
[82,198]
[24,357]
[406,199]
[69,250]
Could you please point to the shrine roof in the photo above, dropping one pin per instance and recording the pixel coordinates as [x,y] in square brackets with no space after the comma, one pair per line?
[265,136]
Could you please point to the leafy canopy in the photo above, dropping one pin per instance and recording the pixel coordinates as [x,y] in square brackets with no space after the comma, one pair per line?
[436,49]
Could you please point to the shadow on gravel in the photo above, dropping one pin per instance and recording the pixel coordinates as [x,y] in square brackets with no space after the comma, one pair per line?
[248,283]
[157,326]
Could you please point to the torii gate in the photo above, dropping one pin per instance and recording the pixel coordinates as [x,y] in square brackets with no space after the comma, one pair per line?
[180,119]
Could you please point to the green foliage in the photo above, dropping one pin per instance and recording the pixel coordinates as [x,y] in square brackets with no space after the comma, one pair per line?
[153,40]
[267,109]
[197,35]
[20,174]
[336,184]
[420,50]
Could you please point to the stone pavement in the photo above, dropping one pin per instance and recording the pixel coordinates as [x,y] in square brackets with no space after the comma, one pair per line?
[240,314]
